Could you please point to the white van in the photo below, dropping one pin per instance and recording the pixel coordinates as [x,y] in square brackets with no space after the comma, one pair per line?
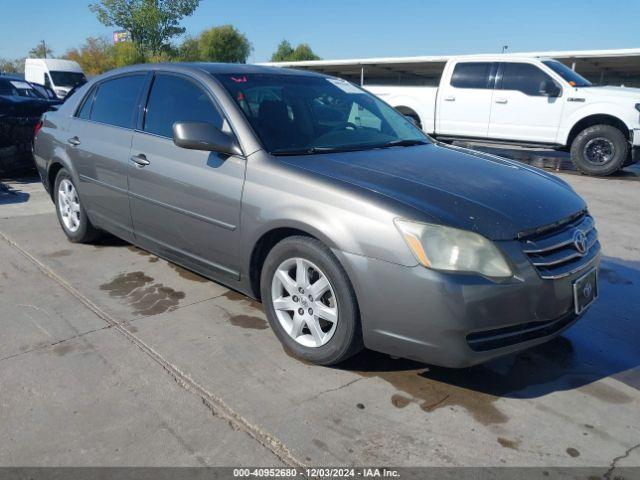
[59,75]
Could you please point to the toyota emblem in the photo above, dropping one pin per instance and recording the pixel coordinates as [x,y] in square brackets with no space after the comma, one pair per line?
[580,242]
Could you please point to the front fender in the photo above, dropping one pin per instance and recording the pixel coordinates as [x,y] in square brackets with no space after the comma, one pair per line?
[597,108]
[342,216]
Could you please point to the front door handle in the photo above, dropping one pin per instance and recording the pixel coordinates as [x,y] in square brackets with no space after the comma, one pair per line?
[140,160]
[501,100]
[75,141]
[450,98]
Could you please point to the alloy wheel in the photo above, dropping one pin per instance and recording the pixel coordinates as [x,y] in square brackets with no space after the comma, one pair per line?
[69,205]
[304,302]
[599,150]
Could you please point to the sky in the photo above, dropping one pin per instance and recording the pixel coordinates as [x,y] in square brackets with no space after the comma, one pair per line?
[355,28]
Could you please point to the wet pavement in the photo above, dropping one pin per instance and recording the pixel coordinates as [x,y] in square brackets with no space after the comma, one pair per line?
[123,358]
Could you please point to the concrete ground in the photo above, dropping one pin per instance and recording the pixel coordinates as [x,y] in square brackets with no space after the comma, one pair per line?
[112,356]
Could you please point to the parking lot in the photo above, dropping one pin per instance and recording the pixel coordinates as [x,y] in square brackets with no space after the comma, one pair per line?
[112,356]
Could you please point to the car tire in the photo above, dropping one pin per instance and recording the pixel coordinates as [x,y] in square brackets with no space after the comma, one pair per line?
[312,337]
[71,213]
[599,150]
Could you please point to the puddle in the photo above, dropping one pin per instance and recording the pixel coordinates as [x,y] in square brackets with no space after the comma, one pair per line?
[145,297]
[572,452]
[248,321]
[186,274]
[63,349]
[59,253]
[252,322]
[413,386]
[239,297]
[506,443]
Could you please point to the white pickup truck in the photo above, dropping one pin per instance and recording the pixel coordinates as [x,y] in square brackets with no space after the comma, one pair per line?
[529,102]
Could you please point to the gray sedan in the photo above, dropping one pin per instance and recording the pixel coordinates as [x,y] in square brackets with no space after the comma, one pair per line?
[304,191]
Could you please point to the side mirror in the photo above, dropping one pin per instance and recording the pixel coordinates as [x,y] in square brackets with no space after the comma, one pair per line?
[204,136]
[550,88]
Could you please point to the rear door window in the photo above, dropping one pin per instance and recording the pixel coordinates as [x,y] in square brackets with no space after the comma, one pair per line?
[473,75]
[177,99]
[116,101]
[523,77]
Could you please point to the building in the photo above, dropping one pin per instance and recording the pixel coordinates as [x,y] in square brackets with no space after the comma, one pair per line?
[602,67]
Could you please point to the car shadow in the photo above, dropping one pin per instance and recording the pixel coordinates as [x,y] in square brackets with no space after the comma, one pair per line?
[601,344]
[10,195]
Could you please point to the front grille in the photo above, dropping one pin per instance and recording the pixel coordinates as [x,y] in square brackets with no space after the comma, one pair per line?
[555,253]
[507,336]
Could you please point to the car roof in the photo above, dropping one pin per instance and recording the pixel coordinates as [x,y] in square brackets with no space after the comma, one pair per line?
[217,68]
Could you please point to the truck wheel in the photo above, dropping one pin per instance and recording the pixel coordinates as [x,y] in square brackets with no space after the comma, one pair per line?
[599,150]
[309,301]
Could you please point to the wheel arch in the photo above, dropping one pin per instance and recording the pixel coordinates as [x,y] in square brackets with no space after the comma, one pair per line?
[597,119]
[263,246]
[410,112]
[52,173]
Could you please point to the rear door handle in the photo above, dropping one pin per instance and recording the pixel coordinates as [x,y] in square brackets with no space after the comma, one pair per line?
[450,98]
[140,160]
[75,141]
[501,100]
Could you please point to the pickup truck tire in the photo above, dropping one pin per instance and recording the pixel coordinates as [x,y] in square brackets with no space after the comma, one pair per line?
[313,339]
[68,204]
[599,150]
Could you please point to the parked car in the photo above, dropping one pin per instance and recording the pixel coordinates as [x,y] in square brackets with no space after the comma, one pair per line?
[304,191]
[528,102]
[58,75]
[21,106]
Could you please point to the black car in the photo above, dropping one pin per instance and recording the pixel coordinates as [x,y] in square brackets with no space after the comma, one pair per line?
[21,105]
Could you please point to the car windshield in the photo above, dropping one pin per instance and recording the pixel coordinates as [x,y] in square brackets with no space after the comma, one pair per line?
[572,78]
[67,79]
[300,114]
[18,88]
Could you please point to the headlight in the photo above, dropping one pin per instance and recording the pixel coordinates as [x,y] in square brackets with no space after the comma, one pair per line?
[61,93]
[451,249]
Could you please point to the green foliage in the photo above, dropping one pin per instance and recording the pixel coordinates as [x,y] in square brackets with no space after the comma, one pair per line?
[40,51]
[223,44]
[11,66]
[286,53]
[126,53]
[189,50]
[151,23]
[283,52]
[95,56]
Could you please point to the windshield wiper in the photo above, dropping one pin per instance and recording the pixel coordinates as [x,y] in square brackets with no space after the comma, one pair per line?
[404,143]
[313,150]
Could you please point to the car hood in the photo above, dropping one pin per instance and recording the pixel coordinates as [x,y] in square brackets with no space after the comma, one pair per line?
[474,191]
[612,92]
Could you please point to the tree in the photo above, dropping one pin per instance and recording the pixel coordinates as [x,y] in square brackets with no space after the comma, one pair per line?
[151,23]
[283,52]
[40,51]
[95,56]
[286,53]
[125,53]
[224,44]
[11,66]
[189,50]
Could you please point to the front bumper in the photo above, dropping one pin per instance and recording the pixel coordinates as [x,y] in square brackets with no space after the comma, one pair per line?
[458,320]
